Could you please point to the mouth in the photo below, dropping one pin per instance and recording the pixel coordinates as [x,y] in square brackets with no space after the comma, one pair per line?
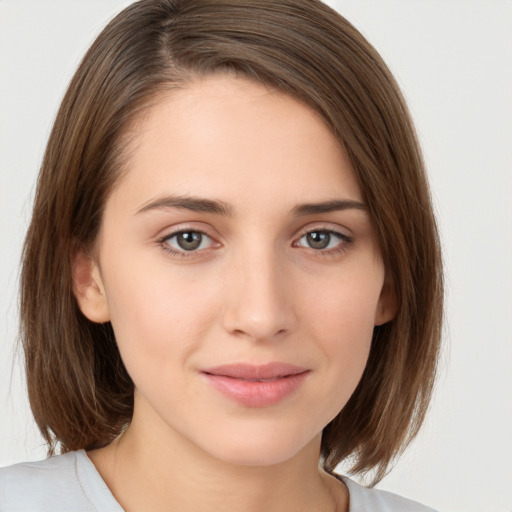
[256,385]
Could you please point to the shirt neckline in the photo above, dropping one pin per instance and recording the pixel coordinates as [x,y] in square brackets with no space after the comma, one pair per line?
[98,493]
[93,486]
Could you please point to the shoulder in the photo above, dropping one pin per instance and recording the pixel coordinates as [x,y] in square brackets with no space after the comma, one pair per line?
[58,484]
[363,499]
[41,485]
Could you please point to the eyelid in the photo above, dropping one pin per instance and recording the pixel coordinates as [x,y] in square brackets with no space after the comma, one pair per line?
[198,227]
[325,227]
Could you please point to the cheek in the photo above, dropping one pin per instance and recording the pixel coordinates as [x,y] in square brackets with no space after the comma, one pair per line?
[159,317]
[341,319]
[344,307]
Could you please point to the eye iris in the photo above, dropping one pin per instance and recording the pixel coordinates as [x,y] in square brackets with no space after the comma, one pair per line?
[189,240]
[318,239]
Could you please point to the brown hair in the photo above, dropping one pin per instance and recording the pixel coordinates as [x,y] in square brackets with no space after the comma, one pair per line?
[80,393]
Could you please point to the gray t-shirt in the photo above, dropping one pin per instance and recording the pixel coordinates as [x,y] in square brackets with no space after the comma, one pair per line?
[71,483]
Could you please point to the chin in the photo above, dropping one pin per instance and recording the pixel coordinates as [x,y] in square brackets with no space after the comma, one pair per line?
[263,450]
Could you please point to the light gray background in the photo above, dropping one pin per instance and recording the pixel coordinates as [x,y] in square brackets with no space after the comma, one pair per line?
[453,60]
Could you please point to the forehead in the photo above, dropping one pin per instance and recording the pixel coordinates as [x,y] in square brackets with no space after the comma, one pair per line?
[235,139]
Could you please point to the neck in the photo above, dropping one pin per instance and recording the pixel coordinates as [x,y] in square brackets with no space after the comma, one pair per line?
[156,475]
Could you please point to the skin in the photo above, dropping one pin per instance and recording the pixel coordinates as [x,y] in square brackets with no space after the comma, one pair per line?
[254,291]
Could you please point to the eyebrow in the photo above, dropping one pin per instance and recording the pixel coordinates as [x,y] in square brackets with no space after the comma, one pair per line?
[202,205]
[328,206]
[194,204]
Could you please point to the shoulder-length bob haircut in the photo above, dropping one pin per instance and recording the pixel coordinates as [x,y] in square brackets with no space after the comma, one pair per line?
[80,393]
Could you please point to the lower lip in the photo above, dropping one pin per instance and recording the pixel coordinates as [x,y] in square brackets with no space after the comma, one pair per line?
[257,393]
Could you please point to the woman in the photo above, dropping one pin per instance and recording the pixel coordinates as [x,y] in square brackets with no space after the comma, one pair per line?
[232,270]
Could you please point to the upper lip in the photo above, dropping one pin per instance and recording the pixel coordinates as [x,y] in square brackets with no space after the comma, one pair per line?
[247,371]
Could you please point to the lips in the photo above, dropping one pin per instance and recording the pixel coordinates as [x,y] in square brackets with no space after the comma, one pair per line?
[256,385]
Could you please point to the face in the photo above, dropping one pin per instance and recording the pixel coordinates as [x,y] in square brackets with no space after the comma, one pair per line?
[237,265]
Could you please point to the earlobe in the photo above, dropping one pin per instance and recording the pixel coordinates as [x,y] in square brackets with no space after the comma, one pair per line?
[88,288]
[387,305]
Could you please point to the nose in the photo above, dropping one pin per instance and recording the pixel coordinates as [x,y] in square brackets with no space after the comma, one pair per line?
[258,303]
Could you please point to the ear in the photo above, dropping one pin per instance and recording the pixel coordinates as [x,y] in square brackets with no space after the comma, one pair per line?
[88,288]
[387,306]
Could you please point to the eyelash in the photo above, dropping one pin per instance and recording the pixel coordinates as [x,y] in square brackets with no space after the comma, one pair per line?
[342,246]
[164,243]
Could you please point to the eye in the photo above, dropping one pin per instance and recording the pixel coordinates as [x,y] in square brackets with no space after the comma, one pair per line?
[322,239]
[187,241]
